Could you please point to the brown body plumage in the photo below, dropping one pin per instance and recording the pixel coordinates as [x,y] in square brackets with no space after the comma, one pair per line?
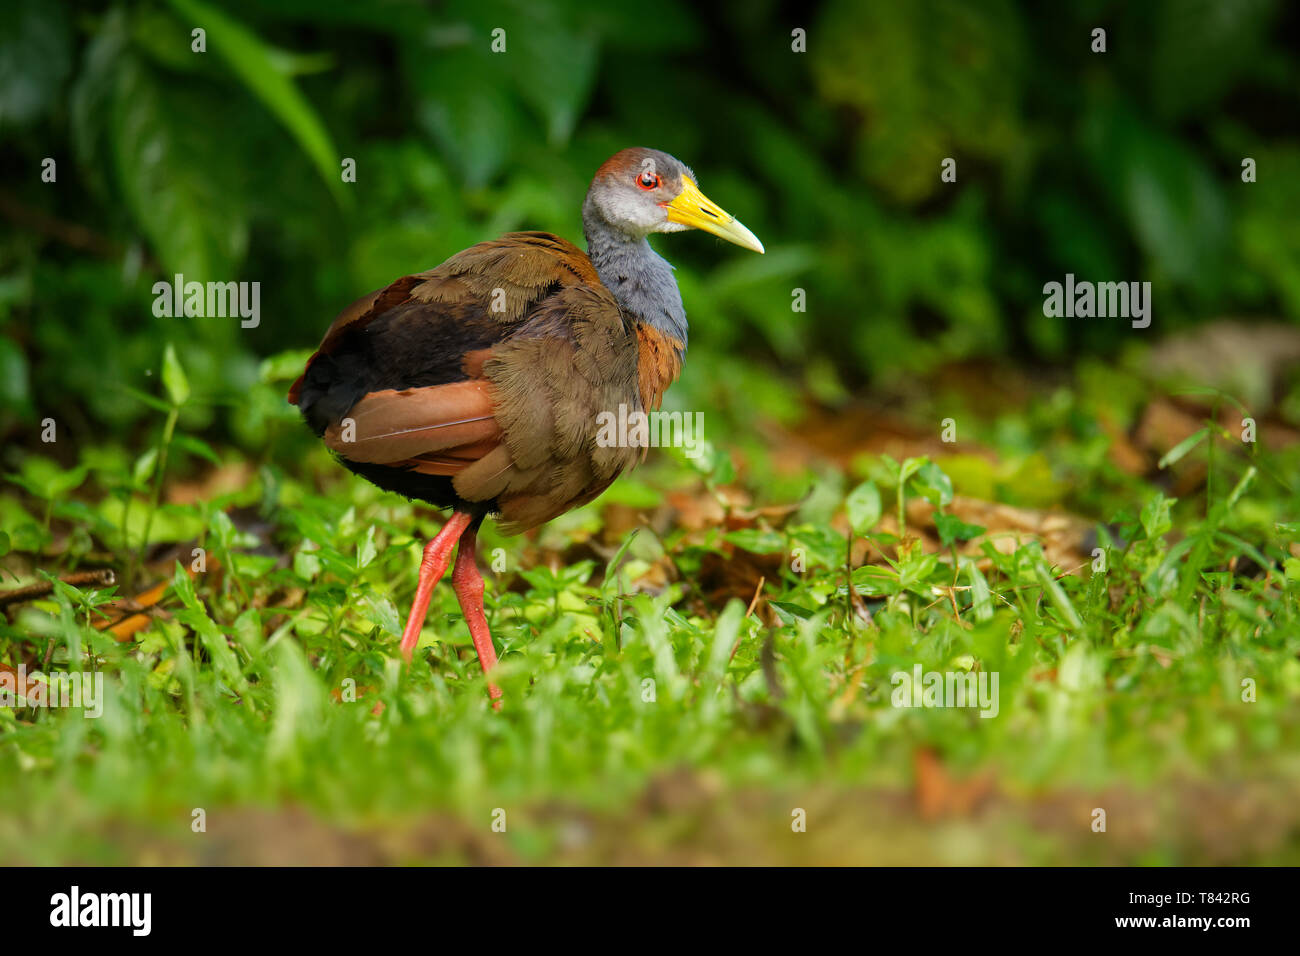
[509,423]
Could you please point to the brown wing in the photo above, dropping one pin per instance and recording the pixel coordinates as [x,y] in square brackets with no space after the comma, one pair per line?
[550,383]
[483,377]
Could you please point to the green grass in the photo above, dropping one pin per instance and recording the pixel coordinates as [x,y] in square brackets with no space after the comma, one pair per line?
[670,725]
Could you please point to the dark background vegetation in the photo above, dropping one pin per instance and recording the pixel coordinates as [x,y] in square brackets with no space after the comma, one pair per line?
[225,165]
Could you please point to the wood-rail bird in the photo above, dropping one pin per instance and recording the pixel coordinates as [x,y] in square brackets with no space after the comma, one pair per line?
[477,385]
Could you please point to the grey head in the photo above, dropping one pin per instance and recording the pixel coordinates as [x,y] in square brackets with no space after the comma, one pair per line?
[634,193]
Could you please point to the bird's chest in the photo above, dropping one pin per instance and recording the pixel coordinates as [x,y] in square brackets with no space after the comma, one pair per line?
[658,364]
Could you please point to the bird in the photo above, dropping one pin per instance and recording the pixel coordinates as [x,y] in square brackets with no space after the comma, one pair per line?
[476,386]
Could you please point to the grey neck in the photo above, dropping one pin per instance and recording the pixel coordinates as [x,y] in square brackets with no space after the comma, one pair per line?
[640,279]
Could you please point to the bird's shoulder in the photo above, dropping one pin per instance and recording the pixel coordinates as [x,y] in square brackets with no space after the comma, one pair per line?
[483,295]
[530,260]
[502,279]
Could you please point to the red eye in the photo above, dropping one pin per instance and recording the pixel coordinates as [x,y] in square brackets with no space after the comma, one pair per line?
[648,180]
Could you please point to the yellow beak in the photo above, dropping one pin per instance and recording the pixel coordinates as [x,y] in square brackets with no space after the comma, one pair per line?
[693,208]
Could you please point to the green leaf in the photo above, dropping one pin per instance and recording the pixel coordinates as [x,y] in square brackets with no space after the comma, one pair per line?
[184,587]
[197,447]
[152,401]
[863,506]
[1240,487]
[215,643]
[1056,594]
[1179,451]
[161,36]
[558,95]
[173,376]
[951,528]
[1208,391]
[908,468]
[1156,521]
[91,102]
[721,469]
[382,613]
[725,633]
[189,207]
[757,541]
[306,564]
[614,566]
[475,127]
[1173,202]
[874,582]
[260,70]
[144,466]
[45,478]
[366,549]
[893,470]
[981,597]
[933,485]
[791,613]
[1244,547]
[914,573]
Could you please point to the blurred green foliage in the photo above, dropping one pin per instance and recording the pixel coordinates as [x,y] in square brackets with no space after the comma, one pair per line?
[226,165]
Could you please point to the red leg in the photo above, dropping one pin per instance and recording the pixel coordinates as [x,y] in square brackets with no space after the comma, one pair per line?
[468,582]
[437,555]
